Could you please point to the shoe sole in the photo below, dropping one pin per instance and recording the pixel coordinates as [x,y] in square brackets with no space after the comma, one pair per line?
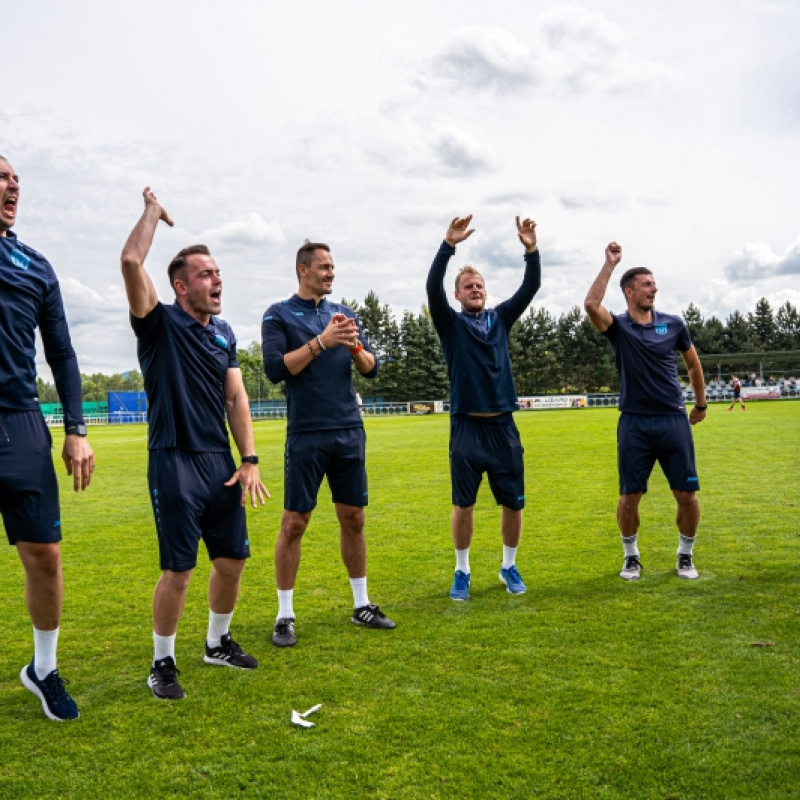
[459,599]
[34,689]
[629,577]
[221,662]
[689,577]
[372,627]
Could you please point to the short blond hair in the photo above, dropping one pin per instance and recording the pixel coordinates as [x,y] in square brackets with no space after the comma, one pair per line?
[467,269]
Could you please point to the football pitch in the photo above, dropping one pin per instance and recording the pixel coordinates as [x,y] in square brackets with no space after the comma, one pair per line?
[585,687]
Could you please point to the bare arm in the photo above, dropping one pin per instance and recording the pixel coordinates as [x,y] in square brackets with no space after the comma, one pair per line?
[142,297]
[599,315]
[695,371]
[238,409]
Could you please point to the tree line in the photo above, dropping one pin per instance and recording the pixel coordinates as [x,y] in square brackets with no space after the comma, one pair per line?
[548,354]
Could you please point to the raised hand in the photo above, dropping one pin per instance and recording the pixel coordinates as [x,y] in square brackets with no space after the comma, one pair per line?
[151,200]
[340,330]
[459,230]
[527,234]
[613,254]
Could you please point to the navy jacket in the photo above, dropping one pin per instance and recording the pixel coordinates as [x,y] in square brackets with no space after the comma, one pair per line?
[31,297]
[476,345]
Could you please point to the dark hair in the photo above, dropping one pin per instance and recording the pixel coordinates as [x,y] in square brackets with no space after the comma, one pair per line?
[305,255]
[179,262]
[627,279]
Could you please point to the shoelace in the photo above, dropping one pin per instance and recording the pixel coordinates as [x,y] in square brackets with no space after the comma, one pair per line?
[167,674]
[684,560]
[54,685]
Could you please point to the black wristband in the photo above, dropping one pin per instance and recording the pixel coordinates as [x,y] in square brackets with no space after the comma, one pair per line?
[250,459]
[701,408]
[76,430]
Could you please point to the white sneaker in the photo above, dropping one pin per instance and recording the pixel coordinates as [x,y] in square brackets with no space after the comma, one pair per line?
[631,569]
[685,567]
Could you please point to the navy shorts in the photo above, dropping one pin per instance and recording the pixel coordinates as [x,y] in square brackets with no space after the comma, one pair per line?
[191,502]
[643,440]
[28,486]
[338,454]
[491,445]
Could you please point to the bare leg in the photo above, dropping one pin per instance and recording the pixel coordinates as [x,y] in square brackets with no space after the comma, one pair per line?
[511,527]
[223,584]
[44,583]
[169,599]
[351,539]
[628,513]
[287,548]
[688,516]
[461,526]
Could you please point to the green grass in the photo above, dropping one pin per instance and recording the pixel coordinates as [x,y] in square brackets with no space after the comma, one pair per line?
[586,687]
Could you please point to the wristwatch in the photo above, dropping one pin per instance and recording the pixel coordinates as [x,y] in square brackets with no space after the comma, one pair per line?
[76,430]
[250,459]
[701,408]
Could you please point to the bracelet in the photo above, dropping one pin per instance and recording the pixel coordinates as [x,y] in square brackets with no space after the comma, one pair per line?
[321,346]
[358,349]
[313,354]
[701,408]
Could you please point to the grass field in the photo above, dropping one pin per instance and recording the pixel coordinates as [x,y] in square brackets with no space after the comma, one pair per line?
[585,687]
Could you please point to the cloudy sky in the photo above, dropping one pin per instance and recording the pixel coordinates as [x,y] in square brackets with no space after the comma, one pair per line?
[670,127]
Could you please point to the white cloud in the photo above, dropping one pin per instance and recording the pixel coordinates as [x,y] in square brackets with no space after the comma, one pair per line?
[757,261]
[574,51]
[251,230]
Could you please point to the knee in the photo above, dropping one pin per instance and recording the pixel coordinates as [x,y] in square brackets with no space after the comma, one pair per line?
[294,524]
[42,559]
[351,519]
[630,502]
[176,581]
[686,499]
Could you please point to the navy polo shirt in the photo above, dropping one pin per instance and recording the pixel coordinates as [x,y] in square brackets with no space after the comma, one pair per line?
[29,297]
[476,346]
[185,365]
[647,360]
[321,397]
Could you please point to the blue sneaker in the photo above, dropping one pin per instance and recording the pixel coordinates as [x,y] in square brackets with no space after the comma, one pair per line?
[460,588]
[513,580]
[56,703]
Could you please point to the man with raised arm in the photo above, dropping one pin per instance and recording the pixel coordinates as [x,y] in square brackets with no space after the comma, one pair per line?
[653,425]
[311,344]
[29,500]
[483,435]
[193,381]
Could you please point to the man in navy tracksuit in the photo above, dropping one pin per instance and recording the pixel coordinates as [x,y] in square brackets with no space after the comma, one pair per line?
[483,436]
[193,383]
[28,489]
[653,425]
[311,344]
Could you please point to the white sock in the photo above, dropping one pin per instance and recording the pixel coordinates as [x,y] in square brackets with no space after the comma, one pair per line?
[509,557]
[462,560]
[631,548]
[285,604]
[163,647]
[685,544]
[359,587]
[45,644]
[218,626]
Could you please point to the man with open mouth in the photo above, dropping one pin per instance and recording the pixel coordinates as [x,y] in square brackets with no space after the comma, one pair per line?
[29,500]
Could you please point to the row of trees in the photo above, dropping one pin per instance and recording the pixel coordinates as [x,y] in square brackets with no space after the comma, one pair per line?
[548,354]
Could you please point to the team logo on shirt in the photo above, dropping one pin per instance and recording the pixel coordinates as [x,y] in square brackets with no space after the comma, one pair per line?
[221,341]
[20,260]
[661,329]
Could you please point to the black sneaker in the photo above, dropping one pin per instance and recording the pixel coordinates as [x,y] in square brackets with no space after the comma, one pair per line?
[163,680]
[685,567]
[56,702]
[631,569]
[371,617]
[283,633]
[229,654]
